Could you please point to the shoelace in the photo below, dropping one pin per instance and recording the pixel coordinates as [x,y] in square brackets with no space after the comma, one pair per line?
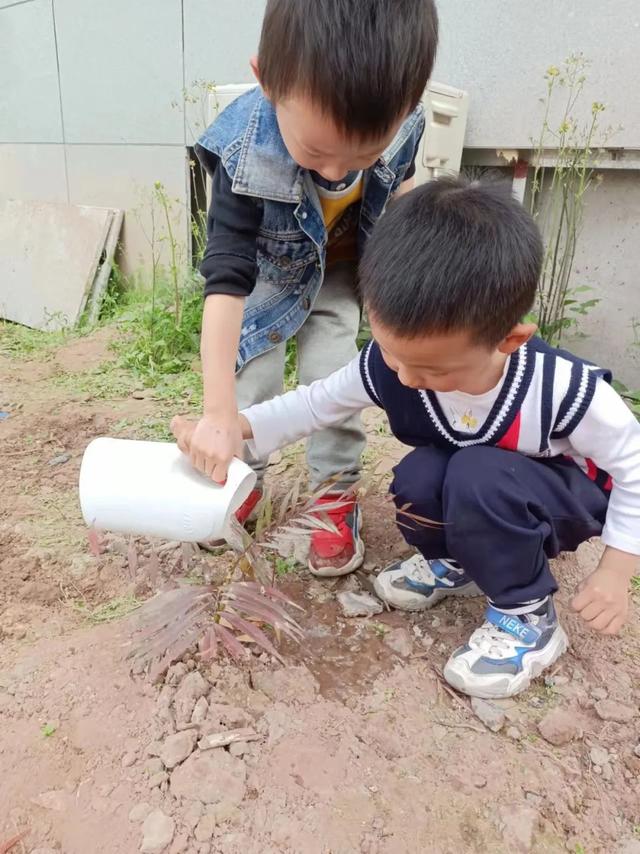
[492,641]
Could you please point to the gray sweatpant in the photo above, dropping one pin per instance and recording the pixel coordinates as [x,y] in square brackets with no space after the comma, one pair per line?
[326,342]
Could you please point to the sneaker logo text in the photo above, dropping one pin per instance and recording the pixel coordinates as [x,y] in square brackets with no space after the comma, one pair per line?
[514,627]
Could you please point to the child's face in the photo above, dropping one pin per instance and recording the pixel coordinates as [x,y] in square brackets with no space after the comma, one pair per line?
[448,361]
[315,143]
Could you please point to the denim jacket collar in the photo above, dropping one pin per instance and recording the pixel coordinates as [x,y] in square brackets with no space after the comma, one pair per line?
[267,170]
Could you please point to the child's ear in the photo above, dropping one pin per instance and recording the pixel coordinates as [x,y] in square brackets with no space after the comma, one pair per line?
[518,336]
[253,62]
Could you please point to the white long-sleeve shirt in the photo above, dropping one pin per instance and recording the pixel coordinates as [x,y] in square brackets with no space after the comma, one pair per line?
[603,439]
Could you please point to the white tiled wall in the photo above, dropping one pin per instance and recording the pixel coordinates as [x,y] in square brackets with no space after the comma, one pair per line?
[29,100]
[120,71]
[123,176]
[32,172]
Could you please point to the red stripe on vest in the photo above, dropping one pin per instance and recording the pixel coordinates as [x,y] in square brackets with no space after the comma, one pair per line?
[509,441]
[609,484]
[592,469]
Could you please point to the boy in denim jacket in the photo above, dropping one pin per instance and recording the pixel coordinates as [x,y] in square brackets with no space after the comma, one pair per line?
[302,168]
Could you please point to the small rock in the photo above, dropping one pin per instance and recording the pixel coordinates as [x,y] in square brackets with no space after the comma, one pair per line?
[128,760]
[158,779]
[436,622]
[478,781]
[154,766]
[192,687]
[138,394]
[60,460]
[193,814]
[206,828]
[636,751]
[54,800]
[239,748]
[427,641]
[359,604]
[154,748]
[599,693]
[200,711]
[519,826]
[180,844]
[514,733]
[157,831]
[607,772]
[491,715]
[211,778]
[609,710]
[177,747]
[599,756]
[559,727]
[140,812]
[399,640]
[177,672]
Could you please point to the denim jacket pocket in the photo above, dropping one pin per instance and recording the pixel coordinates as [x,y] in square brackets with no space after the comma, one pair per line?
[284,259]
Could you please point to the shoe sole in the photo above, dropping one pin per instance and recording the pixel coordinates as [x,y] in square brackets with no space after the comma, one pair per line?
[536,663]
[338,571]
[425,603]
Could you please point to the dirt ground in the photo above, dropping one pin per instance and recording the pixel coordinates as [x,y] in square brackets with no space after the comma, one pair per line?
[355,746]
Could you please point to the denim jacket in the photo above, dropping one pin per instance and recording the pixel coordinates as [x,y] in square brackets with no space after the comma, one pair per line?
[292,239]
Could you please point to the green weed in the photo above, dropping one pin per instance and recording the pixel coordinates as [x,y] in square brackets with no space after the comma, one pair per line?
[117,608]
[48,730]
[285,566]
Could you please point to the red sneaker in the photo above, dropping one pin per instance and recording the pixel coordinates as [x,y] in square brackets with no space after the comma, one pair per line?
[330,554]
[243,513]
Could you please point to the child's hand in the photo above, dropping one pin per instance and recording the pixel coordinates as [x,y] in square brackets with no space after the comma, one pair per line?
[183,429]
[210,443]
[602,599]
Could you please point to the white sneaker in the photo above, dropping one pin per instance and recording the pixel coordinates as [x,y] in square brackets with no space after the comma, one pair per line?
[416,584]
[506,653]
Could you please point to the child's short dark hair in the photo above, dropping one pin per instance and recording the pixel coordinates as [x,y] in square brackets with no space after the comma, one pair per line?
[453,255]
[365,62]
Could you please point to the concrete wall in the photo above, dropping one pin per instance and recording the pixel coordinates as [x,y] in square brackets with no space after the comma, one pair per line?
[499,50]
[92,109]
[91,98]
[608,260]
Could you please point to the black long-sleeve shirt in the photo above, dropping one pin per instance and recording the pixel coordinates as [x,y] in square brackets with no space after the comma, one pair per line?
[229,263]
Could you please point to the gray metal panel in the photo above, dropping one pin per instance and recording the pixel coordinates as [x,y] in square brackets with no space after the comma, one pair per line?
[120,70]
[498,51]
[219,40]
[29,97]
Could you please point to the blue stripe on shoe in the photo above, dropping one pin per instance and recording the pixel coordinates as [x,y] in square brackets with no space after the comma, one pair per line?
[513,626]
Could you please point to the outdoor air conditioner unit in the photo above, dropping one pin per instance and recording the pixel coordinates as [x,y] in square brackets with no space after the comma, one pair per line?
[440,151]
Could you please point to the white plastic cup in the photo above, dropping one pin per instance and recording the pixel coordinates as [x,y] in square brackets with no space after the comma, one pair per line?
[151,489]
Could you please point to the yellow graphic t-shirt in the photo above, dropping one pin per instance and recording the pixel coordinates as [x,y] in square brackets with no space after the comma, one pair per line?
[341,210]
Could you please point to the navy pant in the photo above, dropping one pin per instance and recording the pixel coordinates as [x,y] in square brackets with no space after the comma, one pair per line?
[503,515]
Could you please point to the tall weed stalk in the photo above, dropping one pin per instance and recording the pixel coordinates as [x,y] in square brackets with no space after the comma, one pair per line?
[558,192]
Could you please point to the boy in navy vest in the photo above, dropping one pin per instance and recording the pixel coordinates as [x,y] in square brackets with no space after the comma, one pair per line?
[521,451]
[301,169]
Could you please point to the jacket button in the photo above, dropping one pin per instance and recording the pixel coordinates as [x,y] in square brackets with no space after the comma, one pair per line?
[275,337]
[306,303]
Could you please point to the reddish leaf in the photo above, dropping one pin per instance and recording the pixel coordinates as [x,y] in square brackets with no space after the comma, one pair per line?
[269,592]
[231,643]
[268,615]
[209,645]
[11,843]
[254,633]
